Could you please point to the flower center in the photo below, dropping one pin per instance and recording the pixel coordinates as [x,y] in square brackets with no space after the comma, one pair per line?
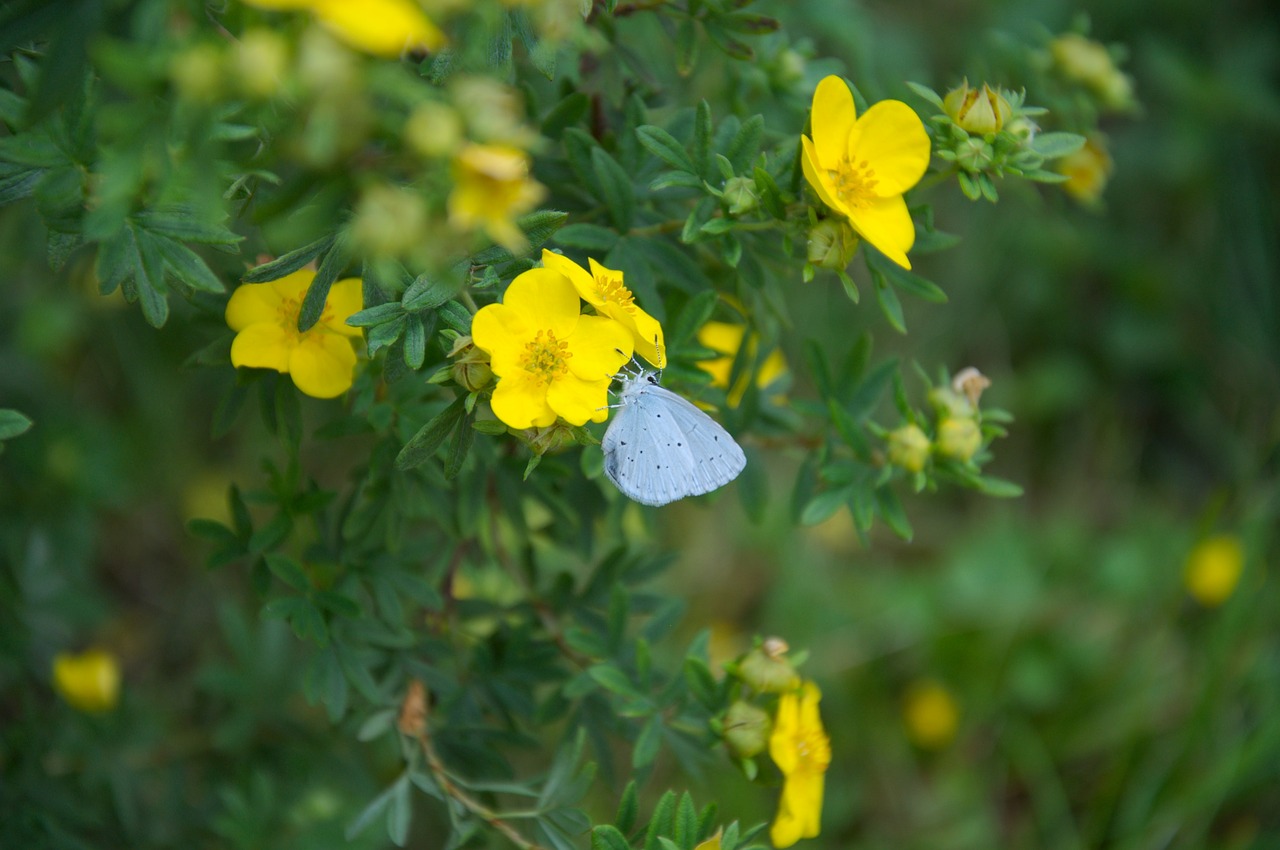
[546,357]
[287,315]
[813,750]
[611,291]
[854,182]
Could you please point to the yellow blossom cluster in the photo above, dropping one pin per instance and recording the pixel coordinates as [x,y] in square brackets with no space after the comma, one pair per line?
[551,360]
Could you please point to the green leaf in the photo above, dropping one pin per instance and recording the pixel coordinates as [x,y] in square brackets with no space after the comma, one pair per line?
[824,505]
[648,744]
[686,825]
[372,316]
[611,678]
[696,313]
[697,675]
[892,513]
[455,316]
[1054,145]
[288,571]
[890,306]
[463,436]
[606,837]
[290,262]
[422,446]
[148,277]
[538,227]
[665,147]
[187,266]
[426,294]
[13,424]
[702,138]
[926,93]
[333,264]
[906,280]
[588,237]
[564,114]
[746,143]
[415,341]
[661,821]
[999,488]
[868,392]
[182,223]
[628,809]
[615,188]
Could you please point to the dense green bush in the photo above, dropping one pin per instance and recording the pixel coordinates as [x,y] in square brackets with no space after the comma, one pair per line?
[373,586]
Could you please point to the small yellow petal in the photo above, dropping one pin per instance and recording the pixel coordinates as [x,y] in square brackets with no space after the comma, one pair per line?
[832,119]
[265,345]
[379,27]
[599,346]
[581,279]
[502,332]
[545,299]
[891,138]
[886,224]
[89,681]
[323,364]
[520,400]
[648,338]
[252,303]
[578,400]
[346,298]
[817,176]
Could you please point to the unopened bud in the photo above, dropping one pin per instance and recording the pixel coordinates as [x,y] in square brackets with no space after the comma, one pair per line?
[260,62]
[948,402]
[832,244]
[974,155]
[740,195]
[767,674]
[971,383]
[470,368]
[978,111]
[909,448]
[959,437]
[745,729]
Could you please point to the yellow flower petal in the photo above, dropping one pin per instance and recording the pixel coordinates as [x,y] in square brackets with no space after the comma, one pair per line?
[582,280]
[647,335]
[832,119]
[253,303]
[799,810]
[887,225]
[346,298]
[323,365]
[577,400]
[89,681]
[520,400]
[495,329]
[380,27]
[817,175]
[545,299]
[264,345]
[599,347]
[891,137]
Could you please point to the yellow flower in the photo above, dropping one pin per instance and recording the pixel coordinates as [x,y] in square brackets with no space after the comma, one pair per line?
[861,167]
[800,748]
[727,338]
[930,714]
[493,188]
[1213,569]
[1087,170]
[380,27]
[1090,63]
[604,290]
[550,360]
[89,681]
[322,360]
[980,111]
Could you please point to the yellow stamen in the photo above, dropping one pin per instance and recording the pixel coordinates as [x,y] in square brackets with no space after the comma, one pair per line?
[287,315]
[546,357]
[610,289]
[854,182]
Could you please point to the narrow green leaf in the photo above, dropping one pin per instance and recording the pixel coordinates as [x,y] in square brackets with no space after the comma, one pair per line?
[187,266]
[628,809]
[1054,145]
[746,144]
[615,188]
[648,744]
[702,138]
[463,436]
[288,263]
[824,505]
[588,237]
[890,306]
[696,313]
[422,446]
[606,837]
[333,264]
[892,513]
[13,424]
[665,147]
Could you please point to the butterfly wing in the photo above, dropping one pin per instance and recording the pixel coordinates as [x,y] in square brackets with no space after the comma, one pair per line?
[717,457]
[660,448]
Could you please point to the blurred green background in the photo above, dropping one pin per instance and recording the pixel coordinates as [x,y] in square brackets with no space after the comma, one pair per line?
[1097,704]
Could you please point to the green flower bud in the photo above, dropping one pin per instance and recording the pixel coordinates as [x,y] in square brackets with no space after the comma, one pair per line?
[745,729]
[832,244]
[974,155]
[909,448]
[740,195]
[959,437]
[978,111]
[766,672]
[470,369]
[947,402]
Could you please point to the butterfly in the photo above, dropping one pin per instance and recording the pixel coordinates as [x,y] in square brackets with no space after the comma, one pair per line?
[660,447]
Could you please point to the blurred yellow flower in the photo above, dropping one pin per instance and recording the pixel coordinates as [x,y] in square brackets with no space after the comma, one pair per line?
[1087,170]
[802,751]
[931,715]
[909,448]
[493,188]
[727,338]
[1213,569]
[1089,62]
[861,167]
[380,27]
[550,360]
[604,290]
[89,681]
[321,360]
